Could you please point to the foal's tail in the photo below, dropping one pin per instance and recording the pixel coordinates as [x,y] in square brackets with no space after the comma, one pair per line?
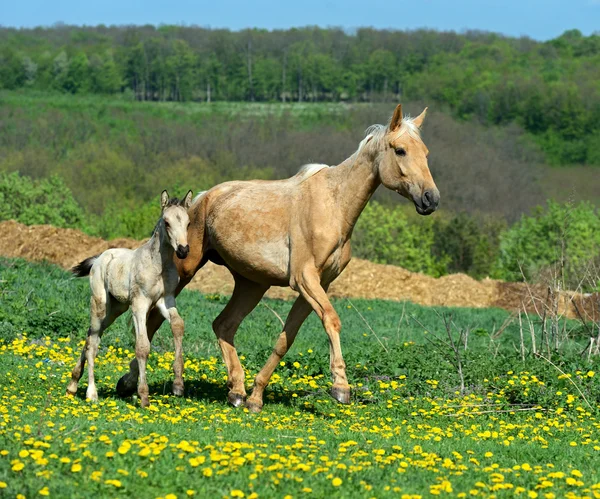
[82,269]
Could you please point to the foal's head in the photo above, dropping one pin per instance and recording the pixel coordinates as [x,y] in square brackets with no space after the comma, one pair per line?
[176,221]
[403,164]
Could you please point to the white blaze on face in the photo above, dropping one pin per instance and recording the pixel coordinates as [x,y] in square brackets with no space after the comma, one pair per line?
[176,224]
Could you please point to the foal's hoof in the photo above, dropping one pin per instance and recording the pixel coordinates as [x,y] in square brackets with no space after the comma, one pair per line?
[178,390]
[70,393]
[236,399]
[253,406]
[342,395]
[125,388]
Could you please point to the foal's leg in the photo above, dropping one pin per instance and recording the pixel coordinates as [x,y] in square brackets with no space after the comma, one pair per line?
[310,288]
[139,308]
[102,315]
[298,314]
[127,384]
[167,308]
[244,299]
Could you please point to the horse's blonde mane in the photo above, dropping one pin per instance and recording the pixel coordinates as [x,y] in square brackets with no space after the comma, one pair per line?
[375,133]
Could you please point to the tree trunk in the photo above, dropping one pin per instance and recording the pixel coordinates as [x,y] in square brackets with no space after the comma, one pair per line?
[208,92]
[283,77]
[250,82]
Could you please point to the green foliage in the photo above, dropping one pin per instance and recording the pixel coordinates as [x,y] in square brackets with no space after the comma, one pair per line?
[467,243]
[563,235]
[547,87]
[388,235]
[47,201]
[136,222]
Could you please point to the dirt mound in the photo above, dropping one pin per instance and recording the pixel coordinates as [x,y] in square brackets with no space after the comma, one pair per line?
[361,279]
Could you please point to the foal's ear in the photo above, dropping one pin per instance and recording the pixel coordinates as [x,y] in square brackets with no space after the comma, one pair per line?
[396,119]
[164,199]
[187,200]
[419,119]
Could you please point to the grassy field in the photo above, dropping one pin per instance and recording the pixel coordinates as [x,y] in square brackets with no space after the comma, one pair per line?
[520,427]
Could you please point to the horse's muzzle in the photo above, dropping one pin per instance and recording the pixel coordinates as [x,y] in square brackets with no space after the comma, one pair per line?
[182,251]
[428,203]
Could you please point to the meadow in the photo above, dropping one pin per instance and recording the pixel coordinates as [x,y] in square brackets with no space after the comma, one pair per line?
[521,426]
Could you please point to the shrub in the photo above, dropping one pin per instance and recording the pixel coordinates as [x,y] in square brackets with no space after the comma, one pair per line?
[564,234]
[389,235]
[469,244]
[46,201]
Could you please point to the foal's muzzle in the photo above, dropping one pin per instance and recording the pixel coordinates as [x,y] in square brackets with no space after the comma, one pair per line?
[428,203]
[182,251]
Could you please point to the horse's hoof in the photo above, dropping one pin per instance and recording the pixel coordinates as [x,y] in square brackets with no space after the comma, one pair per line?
[342,395]
[236,399]
[178,390]
[253,406]
[144,402]
[70,393]
[124,389]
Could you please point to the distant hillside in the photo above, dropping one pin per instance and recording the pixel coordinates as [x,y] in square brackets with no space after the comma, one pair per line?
[549,89]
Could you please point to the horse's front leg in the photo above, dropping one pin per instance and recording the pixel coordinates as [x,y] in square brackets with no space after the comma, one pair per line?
[167,308]
[139,308]
[309,285]
[127,384]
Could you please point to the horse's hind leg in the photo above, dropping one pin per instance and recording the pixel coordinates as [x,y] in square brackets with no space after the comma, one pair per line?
[298,314]
[102,315]
[244,299]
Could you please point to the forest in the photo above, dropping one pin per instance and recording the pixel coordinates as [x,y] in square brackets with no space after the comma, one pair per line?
[550,89]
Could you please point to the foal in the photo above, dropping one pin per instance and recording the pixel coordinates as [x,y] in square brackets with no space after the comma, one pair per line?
[141,278]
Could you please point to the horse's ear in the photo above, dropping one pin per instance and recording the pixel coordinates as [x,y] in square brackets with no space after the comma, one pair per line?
[396,118]
[419,119]
[187,200]
[164,199]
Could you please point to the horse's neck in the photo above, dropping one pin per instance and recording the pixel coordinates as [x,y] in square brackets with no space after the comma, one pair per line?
[358,179]
[161,252]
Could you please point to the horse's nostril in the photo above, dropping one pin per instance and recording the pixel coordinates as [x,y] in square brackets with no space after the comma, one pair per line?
[427,198]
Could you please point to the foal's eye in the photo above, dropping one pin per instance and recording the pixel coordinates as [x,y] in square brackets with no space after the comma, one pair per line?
[401,151]
[166,224]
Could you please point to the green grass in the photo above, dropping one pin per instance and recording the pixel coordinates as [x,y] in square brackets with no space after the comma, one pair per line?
[37,103]
[407,431]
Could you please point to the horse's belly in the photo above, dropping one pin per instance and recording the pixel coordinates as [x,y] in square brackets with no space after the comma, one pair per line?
[265,262]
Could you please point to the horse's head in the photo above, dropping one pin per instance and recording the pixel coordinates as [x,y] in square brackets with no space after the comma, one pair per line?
[176,221]
[403,162]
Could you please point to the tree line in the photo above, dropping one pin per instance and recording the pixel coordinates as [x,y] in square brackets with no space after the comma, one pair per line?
[548,88]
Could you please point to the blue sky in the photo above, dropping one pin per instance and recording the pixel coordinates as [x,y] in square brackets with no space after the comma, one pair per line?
[539,19]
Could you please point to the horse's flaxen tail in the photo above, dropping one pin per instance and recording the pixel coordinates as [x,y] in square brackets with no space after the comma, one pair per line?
[82,269]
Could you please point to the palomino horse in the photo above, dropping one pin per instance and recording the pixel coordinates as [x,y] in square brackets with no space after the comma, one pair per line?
[296,232]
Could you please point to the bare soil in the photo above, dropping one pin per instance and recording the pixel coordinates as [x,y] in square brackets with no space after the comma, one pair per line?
[361,279]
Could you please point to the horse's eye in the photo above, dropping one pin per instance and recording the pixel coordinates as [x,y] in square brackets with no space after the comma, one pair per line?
[166,224]
[401,151]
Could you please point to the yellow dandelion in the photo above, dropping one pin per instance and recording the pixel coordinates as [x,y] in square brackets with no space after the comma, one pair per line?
[18,466]
[76,468]
[336,482]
